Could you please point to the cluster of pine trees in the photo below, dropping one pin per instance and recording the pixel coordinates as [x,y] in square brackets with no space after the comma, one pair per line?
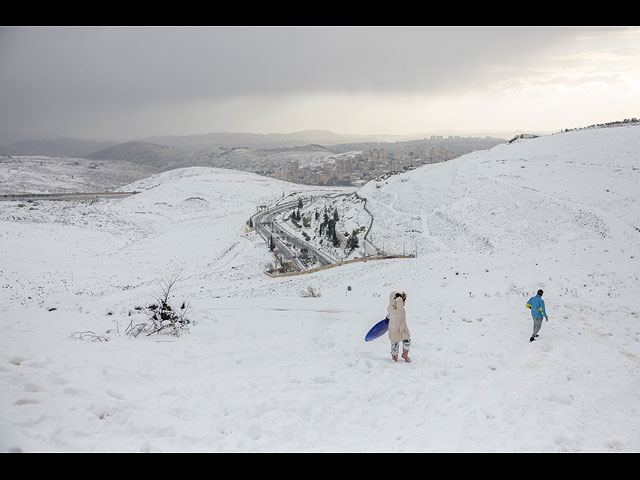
[328,227]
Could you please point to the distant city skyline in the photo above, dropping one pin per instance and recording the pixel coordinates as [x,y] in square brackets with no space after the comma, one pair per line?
[121,83]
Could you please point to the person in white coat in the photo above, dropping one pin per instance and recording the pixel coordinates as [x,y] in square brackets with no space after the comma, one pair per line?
[398,330]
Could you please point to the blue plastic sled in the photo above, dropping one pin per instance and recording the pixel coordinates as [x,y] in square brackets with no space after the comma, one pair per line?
[377,330]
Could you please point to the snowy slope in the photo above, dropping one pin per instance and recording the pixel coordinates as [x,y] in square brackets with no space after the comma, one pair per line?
[563,206]
[267,367]
[37,174]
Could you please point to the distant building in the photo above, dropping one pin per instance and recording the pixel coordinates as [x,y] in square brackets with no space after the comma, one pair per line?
[362,167]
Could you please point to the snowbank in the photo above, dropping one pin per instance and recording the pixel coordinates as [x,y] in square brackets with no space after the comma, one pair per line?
[267,367]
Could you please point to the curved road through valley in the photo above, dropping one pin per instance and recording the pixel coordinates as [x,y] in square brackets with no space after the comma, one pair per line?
[287,244]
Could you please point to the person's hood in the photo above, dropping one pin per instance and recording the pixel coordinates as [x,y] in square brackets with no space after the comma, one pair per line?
[392,297]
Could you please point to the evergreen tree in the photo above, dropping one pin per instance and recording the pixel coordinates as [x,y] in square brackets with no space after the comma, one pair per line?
[352,242]
[324,224]
[272,244]
[331,228]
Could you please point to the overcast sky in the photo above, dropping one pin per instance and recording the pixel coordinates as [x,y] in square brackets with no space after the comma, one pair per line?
[132,82]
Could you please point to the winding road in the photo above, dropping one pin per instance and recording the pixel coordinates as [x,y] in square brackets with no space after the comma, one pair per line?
[288,244]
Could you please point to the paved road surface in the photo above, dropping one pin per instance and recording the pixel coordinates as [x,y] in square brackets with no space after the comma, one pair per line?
[287,244]
[64,196]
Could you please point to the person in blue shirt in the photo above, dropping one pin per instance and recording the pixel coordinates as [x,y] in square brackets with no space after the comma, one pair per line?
[538,312]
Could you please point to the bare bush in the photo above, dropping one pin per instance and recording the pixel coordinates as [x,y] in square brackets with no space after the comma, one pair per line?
[311,292]
[89,336]
[163,318]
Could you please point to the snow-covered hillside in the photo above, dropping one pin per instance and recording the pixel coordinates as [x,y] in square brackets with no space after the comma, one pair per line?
[37,174]
[561,210]
[267,366]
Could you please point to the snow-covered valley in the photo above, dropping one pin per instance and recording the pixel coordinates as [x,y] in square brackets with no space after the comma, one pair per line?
[269,367]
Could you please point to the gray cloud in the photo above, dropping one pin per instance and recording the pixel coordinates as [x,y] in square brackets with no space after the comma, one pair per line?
[53,76]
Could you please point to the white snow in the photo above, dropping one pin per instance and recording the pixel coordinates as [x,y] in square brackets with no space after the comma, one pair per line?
[268,368]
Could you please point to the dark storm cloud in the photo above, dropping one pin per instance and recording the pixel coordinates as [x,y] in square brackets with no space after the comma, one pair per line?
[71,74]
[185,62]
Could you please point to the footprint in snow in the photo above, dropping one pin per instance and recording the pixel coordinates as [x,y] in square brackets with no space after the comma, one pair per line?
[116,395]
[323,380]
[73,392]
[27,401]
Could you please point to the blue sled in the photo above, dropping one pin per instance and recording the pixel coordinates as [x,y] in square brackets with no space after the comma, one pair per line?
[377,330]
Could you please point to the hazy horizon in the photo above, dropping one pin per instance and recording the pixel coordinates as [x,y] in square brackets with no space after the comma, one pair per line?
[12,137]
[123,83]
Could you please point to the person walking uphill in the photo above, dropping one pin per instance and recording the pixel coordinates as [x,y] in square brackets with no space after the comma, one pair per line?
[536,304]
[398,330]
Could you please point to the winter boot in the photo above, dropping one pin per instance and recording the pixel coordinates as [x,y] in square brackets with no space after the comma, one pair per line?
[405,355]
[394,358]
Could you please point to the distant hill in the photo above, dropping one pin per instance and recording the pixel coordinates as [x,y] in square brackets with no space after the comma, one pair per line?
[61,147]
[267,141]
[140,152]
[142,149]
[298,148]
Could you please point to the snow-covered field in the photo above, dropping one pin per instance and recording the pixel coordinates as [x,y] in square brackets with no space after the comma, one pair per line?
[268,368]
[60,175]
